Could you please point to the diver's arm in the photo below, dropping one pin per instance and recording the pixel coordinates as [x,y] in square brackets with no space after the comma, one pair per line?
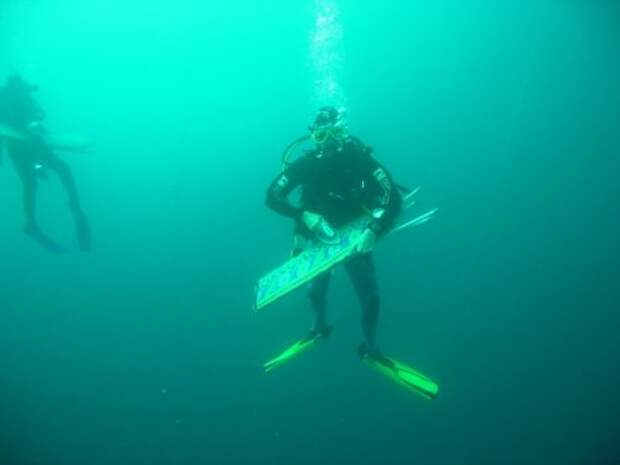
[387,202]
[278,200]
[279,191]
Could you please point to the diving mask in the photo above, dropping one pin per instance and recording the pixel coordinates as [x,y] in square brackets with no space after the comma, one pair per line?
[321,134]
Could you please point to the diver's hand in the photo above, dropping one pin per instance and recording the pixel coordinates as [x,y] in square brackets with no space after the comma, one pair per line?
[366,242]
[318,225]
[311,220]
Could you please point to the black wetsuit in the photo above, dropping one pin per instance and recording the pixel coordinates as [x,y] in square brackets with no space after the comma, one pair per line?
[18,109]
[341,185]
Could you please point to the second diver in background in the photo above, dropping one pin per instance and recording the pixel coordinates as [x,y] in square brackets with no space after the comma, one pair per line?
[24,140]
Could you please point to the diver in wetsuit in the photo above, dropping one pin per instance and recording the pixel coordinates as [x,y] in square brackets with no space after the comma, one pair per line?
[24,139]
[339,181]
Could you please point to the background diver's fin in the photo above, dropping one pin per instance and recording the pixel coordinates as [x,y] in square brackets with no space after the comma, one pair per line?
[46,242]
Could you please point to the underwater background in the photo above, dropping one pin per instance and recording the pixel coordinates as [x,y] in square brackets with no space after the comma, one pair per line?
[146,350]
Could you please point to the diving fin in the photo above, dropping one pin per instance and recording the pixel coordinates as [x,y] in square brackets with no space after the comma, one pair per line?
[296,349]
[82,229]
[401,374]
[35,233]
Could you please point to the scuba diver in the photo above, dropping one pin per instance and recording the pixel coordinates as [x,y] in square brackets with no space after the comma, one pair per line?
[339,182]
[25,142]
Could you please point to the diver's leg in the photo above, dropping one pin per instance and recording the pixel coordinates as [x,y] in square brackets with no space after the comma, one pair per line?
[318,299]
[361,270]
[24,166]
[63,171]
[21,156]
[28,177]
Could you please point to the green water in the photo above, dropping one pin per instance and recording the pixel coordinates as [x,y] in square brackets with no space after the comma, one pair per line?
[146,351]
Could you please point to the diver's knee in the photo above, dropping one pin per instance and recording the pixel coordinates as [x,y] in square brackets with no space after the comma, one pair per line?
[29,188]
[373,304]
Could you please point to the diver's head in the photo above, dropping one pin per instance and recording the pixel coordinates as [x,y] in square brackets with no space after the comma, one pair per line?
[329,130]
[326,116]
[19,91]
[16,83]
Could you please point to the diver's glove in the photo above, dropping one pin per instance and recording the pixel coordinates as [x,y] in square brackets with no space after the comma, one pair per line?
[366,242]
[318,226]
